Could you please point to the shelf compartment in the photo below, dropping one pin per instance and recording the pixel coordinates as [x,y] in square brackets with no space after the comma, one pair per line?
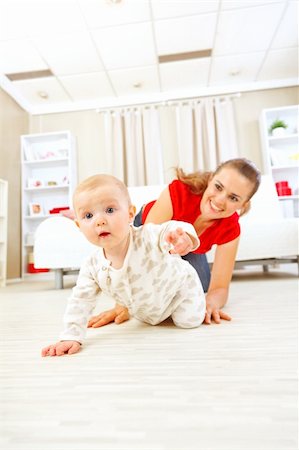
[46,162]
[47,188]
[288,197]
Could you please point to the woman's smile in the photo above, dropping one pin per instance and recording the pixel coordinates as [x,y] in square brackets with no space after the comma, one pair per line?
[215,208]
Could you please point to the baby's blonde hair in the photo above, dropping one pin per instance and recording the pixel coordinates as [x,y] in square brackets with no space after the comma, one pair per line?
[93,182]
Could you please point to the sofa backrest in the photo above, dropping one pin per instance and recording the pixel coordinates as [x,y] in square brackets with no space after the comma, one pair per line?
[265,203]
[141,195]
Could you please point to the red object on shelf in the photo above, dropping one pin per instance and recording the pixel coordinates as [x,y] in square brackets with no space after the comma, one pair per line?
[58,209]
[282,184]
[32,269]
[283,188]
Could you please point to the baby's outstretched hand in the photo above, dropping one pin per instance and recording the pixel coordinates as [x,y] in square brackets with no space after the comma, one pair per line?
[61,348]
[181,242]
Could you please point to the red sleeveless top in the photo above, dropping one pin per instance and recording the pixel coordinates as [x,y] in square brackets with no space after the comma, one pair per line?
[186,207]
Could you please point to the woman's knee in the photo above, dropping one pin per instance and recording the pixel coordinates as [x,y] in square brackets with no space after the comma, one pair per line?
[138,218]
[200,264]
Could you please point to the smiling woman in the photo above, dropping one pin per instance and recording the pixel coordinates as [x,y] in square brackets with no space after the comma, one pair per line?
[212,202]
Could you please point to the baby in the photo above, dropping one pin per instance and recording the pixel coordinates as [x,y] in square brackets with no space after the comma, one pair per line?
[132,264]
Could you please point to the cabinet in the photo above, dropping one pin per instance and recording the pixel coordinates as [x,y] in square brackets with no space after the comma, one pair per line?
[49,176]
[281,155]
[3,230]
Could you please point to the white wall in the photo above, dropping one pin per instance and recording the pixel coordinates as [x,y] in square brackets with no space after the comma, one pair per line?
[88,127]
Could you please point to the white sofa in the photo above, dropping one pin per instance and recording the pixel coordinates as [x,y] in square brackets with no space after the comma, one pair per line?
[267,237]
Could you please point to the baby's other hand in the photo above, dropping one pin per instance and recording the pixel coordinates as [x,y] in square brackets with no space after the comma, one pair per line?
[181,242]
[61,348]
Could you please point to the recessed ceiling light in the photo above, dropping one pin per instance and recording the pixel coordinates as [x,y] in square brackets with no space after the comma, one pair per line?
[137,85]
[43,94]
[235,72]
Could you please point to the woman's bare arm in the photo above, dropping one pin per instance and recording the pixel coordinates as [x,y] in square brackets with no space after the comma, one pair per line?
[221,275]
[162,210]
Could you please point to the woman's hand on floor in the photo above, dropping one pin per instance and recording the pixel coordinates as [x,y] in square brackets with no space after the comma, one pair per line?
[215,301]
[117,315]
[215,315]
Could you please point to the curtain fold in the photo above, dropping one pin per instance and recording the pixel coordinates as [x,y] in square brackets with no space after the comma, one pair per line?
[114,144]
[226,129]
[206,133]
[133,144]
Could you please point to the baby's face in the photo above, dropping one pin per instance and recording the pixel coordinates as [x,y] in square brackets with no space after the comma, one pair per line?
[104,215]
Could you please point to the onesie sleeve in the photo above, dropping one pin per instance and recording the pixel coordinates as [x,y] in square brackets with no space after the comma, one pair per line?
[80,305]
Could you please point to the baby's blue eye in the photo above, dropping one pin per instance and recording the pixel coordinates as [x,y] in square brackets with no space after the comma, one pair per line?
[88,216]
[110,210]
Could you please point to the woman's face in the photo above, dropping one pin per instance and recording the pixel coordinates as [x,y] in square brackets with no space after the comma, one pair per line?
[227,192]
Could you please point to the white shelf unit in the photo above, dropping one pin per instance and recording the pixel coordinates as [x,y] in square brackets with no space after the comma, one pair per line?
[49,176]
[3,230]
[281,154]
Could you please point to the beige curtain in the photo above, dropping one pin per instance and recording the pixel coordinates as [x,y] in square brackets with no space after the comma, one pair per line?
[114,144]
[133,145]
[206,133]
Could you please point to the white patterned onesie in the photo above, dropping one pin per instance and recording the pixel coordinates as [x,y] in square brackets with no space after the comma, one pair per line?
[153,284]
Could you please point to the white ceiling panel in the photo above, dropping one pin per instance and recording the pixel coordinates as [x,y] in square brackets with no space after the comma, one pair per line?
[235,69]
[135,82]
[12,23]
[70,54]
[247,30]
[184,75]
[102,13]
[287,34]
[89,86]
[126,46]
[237,4]
[55,16]
[30,90]
[34,17]
[185,34]
[163,9]
[20,56]
[280,64]
[98,50]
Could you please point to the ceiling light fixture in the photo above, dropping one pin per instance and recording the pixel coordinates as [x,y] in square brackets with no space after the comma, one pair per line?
[235,72]
[114,2]
[43,94]
[187,55]
[29,75]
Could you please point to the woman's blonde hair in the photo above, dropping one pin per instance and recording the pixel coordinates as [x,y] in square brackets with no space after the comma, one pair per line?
[198,181]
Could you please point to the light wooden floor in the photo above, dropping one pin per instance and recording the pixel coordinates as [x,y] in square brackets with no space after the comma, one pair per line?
[138,387]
